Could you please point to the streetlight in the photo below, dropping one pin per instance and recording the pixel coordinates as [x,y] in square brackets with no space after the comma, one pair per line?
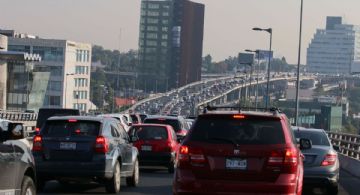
[269,30]
[298,68]
[257,74]
[67,74]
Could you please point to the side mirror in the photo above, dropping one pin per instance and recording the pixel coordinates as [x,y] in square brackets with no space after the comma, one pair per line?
[180,138]
[336,148]
[305,144]
[133,139]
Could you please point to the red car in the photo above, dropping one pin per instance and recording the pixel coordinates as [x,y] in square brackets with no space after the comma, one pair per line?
[232,152]
[157,144]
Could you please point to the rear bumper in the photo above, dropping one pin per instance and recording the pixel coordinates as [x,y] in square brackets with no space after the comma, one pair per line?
[49,169]
[321,176]
[185,183]
[156,158]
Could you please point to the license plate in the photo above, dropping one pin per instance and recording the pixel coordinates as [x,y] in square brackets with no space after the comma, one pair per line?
[68,145]
[240,164]
[146,148]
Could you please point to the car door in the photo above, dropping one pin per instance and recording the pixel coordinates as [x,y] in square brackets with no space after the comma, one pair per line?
[126,148]
[8,165]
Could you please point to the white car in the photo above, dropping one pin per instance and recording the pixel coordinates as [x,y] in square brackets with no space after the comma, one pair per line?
[122,118]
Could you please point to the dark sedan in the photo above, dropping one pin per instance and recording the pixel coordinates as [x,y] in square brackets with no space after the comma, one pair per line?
[321,163]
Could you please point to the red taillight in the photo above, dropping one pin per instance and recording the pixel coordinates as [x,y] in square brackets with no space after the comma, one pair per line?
[37,143]
[193,156]
[101,145]
[330,159]
[286,160]
[37,129]
[72,120]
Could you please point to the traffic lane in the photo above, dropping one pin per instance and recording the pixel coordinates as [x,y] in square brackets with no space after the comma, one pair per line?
[349,184]
[152,182]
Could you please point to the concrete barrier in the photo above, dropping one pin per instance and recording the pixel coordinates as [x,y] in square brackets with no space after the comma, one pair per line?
[350,165]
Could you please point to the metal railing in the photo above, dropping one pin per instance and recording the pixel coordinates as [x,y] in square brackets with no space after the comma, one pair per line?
[349,144]
[18,116]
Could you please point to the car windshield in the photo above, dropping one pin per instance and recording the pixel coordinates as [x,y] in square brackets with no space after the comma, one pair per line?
[150,132]
[316,137]
[228,130]
[66,128]
[174,123]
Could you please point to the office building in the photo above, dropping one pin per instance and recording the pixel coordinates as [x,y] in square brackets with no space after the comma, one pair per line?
[68,63]
[335,49]
[20,86]
[170,44]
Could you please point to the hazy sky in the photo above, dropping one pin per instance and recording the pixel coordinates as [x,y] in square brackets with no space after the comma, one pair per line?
[228,23]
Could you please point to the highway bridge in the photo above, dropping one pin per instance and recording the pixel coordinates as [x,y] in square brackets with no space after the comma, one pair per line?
[349,144]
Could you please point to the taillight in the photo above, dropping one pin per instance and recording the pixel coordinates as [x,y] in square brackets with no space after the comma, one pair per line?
[37,129]
[330,159]
[101,145]
[37,143]
[283,160]
[192,156]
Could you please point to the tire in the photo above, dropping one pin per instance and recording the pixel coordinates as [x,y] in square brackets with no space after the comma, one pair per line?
[333,189]
[133,180]
[113,184]
[28,186]
[171,167]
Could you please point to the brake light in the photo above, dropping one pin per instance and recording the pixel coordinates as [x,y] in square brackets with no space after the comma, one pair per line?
[37,129]
[191,156]
[283,160]
[37,143]
[101,145]
[330,159]
[72,120]
[238,116]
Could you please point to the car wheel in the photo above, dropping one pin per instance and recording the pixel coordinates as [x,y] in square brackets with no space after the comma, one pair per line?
[113,184]
[171,167]
[28,186]
[333,190]
[133,181]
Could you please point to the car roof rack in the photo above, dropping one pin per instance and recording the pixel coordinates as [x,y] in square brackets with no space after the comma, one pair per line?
[274,110]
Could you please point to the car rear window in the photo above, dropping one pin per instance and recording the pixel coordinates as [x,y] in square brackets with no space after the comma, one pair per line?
[150,132]
[316,137]
[65,128]
[252,131]
[174,123]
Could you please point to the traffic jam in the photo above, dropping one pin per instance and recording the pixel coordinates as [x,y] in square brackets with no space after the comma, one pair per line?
[224,150]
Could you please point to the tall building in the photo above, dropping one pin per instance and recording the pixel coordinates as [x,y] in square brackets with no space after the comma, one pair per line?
[170,44]
[335,49]
[68,63]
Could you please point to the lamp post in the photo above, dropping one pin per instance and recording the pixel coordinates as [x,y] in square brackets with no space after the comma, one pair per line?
[269,30]
[65,93]
[298,68]
[257,74]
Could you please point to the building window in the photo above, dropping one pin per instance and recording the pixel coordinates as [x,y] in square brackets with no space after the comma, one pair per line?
[49,53]
[165,29]
[164,36]
[81,107]
[153,6]
[153,13]
[165,13]
[164,44]
[54,100]
[165,22]
[82,70]
[151,43]
[152,21]
[152,28]
[151,36]
[54,86]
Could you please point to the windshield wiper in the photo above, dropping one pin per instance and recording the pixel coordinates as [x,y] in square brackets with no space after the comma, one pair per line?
[224,139]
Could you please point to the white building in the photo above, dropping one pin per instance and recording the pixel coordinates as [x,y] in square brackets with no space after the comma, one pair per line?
[69,65]
[333,50]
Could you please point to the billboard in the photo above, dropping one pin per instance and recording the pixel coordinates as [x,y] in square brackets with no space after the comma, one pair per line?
[246,58]
[264,55]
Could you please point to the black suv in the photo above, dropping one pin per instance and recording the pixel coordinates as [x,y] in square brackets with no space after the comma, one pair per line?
[17,167]
[83,148]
